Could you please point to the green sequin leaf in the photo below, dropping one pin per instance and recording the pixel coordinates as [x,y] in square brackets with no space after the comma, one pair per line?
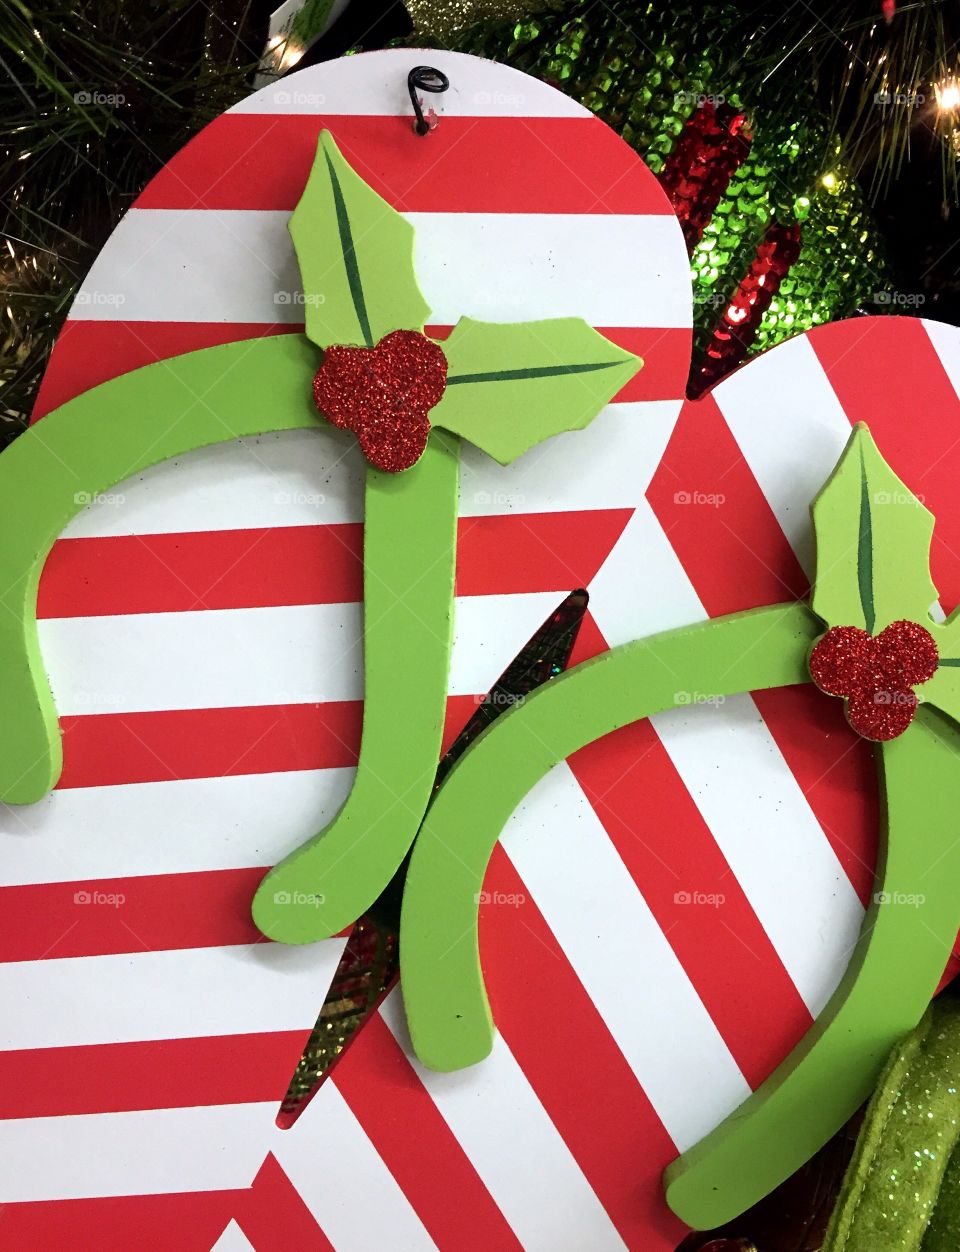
[509,387]
[873,544]
[356,257]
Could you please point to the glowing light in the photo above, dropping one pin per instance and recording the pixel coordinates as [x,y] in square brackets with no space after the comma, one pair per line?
[948,95]
[291,55]
[829,180]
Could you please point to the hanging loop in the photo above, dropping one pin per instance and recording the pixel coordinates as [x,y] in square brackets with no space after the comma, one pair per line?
[424,78]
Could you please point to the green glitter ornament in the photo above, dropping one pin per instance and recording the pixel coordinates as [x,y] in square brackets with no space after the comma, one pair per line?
[891,1190]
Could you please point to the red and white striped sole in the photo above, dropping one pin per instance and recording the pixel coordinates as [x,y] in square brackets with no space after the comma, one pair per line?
[202,630]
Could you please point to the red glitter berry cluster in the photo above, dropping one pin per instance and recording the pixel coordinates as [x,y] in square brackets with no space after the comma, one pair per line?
[383,394]
[876,674]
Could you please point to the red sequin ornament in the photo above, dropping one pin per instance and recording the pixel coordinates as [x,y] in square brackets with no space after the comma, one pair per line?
[875,674]
[383,394]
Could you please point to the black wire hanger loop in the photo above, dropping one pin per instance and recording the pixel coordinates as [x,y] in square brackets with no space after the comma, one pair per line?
[424,78]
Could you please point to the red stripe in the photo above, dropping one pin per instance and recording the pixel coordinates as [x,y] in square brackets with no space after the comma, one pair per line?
[187,1223]
[542,165]
[146,913]
[657,829]
[109,749]
[417,1146]
[160,1074]
[283,565]
[717,519]
[88,353]
[274,1217]
[576,1069]
[270,1213]
[217,569]
[886,372]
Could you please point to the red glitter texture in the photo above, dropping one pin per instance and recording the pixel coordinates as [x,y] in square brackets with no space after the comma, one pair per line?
[383,394]
[876,674]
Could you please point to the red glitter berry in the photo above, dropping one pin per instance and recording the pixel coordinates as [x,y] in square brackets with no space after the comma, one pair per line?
[383,394]
[876,674]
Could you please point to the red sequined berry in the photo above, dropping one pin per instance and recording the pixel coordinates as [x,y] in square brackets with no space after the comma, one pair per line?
[383,394]
[876,674]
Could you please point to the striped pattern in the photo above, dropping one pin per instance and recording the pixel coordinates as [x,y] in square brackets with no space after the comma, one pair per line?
[202,629]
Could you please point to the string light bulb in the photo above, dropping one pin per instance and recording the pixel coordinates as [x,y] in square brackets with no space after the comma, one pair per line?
[947,92]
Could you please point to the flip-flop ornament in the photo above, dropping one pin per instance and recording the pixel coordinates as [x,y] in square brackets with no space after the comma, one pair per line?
[873,541]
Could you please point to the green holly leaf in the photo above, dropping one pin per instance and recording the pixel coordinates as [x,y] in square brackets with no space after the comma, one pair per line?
[356,257]
[509,387]
[873,544]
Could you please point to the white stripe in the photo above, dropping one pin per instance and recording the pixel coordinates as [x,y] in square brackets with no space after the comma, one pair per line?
[515,1148]
[216,1148]
[181,994]
[294,654]
[791,428]
[315,478]
[763,824]
[946,344]
[295,478]
[588,897]
[87,833]
[478,88]
[606,466]
[233,1240]
[237,265]
[642,559]
[341,1178]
